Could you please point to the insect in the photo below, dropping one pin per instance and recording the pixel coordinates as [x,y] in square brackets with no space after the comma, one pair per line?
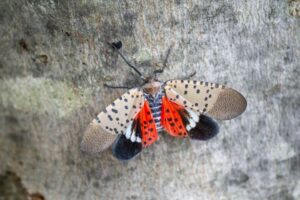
[182,108]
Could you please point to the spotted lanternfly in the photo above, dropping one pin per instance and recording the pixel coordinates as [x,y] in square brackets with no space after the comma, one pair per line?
[182,108]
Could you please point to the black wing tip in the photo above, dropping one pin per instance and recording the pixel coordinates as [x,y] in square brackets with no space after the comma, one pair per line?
[205,129]
[117,45]
[124,150]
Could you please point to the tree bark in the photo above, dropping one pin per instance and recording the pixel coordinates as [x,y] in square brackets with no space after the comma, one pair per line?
[55,58]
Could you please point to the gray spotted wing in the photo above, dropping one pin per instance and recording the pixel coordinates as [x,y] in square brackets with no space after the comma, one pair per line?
[114,120]
[214,100]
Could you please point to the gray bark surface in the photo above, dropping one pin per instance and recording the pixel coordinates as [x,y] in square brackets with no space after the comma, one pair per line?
[54,60]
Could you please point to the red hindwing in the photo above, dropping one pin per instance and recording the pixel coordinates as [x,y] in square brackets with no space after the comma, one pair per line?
[148,128]
[171,119]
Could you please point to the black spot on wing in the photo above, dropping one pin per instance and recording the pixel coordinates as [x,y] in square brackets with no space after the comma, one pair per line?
[98,120]
[110,118]
[114,110]
[150,129]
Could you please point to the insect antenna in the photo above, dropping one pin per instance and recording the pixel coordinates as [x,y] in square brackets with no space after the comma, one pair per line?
[159,71]
[118,45]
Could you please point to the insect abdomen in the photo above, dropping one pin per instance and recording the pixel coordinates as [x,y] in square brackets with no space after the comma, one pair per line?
[155,106]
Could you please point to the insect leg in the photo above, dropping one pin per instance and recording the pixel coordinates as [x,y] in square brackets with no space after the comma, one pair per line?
[188,76]
[116,87]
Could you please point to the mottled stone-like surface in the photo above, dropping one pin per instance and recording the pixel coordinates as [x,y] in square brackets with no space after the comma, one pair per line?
[54,60]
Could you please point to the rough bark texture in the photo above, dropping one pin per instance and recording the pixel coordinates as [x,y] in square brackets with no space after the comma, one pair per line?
[54,60]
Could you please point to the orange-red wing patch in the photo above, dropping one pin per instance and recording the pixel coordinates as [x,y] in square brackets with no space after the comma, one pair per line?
[171,119]
[147,125]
